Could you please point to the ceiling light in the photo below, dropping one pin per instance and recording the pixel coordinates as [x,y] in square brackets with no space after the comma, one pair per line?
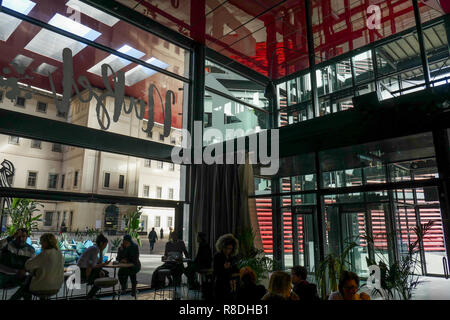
[51,44]
[92,12]
[9,24]
[140,73]
[115,62]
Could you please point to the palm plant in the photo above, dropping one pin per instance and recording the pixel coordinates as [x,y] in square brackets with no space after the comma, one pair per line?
[22,213]
[132,224]
[251,257]
[400,278]
[329,270]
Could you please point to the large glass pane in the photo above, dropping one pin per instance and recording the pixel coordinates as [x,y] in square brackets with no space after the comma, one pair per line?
[288,241]
[264,214]
[363,67]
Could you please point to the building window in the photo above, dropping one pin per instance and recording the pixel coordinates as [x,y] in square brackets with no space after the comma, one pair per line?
[63,177]
[56,147]
[158,221]
[60,114]
[177,50]
[121,181]
[13,140]
[48,220]
[52,181]
[1,96]
[166,44]
[35,144]
[169,222]
[106,180]
[75,178]
[160,165]
[158,192]
[161,137]
[146,191]
[20,102]
[41,107]
[171,167]
[32,178]
[150,134]
[147,163]
[172,140]
[170,193]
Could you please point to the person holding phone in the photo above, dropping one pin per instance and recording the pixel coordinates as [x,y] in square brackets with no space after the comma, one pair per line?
[91,264]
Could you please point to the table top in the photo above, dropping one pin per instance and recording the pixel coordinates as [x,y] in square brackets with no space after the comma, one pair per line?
[164,259]
[118,265]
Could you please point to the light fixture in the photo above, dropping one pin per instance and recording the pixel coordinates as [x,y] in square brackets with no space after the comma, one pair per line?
[9,24]
[140,73]
[115,62]
[51,44]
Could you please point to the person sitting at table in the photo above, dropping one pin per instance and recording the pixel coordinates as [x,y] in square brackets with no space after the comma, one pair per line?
[224,266]
[128,253]
[305,290]
[348,288]
[248,290]
[202,260]
[47,268]
[280,288]
[91,264]
[14,253]
[173,260]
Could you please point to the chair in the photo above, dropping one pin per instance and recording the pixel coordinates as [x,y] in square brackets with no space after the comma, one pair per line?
[106,282]
[44,294]
[205,278]
[162,291]
[6,289]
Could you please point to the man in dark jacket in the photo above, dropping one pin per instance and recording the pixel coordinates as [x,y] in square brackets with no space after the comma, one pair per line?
[128,253]
[306,291]
[152,237]
[202,260]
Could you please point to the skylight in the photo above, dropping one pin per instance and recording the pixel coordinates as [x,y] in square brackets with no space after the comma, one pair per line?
[51,44]
[116,62]
[9,24]
[140,73]
[92,12]
[45,69]
[22,61]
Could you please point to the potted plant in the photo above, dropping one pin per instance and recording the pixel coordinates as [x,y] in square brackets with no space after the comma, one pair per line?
[399,279]
[23,215]
[132,224]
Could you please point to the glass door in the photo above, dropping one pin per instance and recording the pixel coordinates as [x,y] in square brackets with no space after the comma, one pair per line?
[304,237]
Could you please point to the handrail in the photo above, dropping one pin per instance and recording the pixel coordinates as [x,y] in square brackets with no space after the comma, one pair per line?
[444,262]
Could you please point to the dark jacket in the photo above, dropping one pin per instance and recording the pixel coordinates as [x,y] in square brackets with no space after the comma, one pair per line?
[152,236]
[131,254]
[306,291]
[203,258]
[250,292]
[223,276]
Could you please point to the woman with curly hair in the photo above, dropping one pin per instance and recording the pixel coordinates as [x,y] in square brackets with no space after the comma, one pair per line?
[224,265]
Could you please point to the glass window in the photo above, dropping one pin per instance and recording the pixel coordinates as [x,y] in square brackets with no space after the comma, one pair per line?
[75,179]
[63,177]
[169,222]
[20,102]
[146,191]
[363,67]
[13,140]
[170,193]
[147,163]
[158,221]
[160,164]
[121,181]
[158,192]
[48,220]
[1,96]
[106,180]
[32,178]
[36,144]
[56,147]
[41,107]
[52,181]
[161,137]
[171,167]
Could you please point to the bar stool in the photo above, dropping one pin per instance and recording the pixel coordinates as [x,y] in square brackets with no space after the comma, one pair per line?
[106,282]
[44,294]
[6,289]
[205,278]
[167,273]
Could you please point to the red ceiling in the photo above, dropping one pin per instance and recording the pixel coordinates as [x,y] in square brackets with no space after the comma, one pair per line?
[270,35]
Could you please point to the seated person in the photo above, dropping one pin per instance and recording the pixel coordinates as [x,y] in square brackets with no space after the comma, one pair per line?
[90,264]
[202,260]
[47,268]
[224,265]
[173,260]
[14,253]
[348,287]
[248,290]
[280,288]
[128,253]
[306,291]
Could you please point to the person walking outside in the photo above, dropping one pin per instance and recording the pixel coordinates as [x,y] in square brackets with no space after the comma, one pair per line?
[161,233]
[152,238]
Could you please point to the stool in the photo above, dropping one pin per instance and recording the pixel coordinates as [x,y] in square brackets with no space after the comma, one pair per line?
[205,276]
[162,291]
[6,289]
[106,282]
[44,294]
